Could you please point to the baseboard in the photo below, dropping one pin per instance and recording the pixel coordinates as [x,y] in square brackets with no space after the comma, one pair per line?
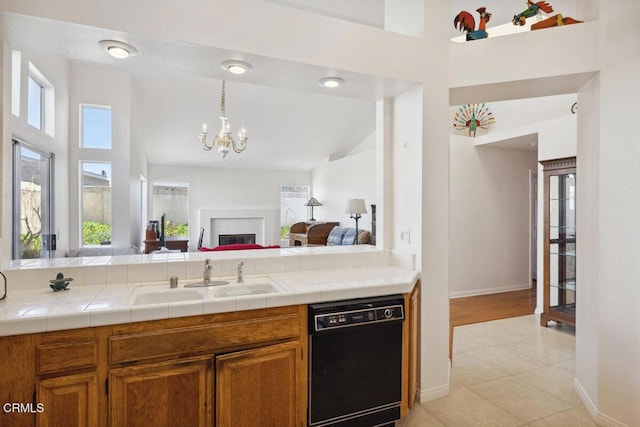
[598,417]
[436,392]
[433,393]
[586,400]
[486,291]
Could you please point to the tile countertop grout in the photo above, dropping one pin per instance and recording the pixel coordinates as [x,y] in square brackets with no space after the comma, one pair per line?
[42,310]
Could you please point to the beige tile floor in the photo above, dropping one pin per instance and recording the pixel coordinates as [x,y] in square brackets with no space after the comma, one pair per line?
[509,372]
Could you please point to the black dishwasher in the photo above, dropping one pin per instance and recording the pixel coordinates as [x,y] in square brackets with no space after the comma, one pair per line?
[355,372]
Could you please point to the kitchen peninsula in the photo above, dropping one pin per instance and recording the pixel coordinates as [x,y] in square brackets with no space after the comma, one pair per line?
[96,352]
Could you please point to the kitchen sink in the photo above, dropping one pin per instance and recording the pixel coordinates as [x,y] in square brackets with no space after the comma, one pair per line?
[251,286]
[195,291]
[156,296]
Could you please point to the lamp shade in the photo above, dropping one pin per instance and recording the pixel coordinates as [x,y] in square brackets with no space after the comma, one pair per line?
[356,206]
[313,202]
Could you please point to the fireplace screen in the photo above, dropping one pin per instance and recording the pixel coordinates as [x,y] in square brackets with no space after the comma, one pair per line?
[232,239]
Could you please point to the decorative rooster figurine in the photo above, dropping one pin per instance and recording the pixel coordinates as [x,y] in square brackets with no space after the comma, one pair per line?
[531,10]
[464,22]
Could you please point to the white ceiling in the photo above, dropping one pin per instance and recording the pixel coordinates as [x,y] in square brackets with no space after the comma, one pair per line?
[293,122]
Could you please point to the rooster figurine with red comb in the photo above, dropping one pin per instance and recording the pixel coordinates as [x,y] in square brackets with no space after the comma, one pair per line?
[464,22]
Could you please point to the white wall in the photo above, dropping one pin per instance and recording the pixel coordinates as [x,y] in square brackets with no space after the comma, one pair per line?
[138,171]
[613,295]
[407,185]
[214,188]
[588,244]
[5,153]
[489,218]
[350,177]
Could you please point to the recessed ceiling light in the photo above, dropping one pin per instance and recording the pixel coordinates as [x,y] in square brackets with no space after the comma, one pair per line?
[236,67]
[119,50]
[331,82]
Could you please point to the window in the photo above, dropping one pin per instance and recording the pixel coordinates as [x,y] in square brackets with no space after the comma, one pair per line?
[31,203]
[96,127]
[96,203]
[40,100]
[292,208]
[172,201]
[16,70]
[35,104]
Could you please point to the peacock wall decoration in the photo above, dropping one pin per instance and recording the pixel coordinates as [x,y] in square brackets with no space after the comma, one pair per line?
[472,117]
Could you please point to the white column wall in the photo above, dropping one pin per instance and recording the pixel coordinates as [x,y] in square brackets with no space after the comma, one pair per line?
[5,154]
[617,306]
[588,244]
[385,173]
[434,207]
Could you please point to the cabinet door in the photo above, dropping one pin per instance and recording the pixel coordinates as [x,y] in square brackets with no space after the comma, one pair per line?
[69,401]
[259,387]
[167,394]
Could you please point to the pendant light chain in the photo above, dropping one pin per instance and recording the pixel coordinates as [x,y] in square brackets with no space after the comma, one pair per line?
[222,100]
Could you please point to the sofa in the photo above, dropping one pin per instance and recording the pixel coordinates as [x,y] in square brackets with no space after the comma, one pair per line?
[346,236]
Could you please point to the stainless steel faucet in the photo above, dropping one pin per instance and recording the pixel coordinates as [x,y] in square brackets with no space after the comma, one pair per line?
[240,279]
[206,276]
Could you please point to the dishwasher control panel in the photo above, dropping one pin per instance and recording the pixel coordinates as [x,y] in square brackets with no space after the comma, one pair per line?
[354,313]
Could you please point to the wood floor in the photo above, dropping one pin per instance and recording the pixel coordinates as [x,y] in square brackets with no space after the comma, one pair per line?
[482,308]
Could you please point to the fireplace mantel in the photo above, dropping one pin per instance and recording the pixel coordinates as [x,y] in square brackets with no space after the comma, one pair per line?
[262,222]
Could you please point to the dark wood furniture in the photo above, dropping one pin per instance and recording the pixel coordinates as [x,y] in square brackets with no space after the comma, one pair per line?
[171,243]
[310,233]
[559,283]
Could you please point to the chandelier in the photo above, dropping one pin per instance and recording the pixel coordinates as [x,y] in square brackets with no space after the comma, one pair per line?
[224,139]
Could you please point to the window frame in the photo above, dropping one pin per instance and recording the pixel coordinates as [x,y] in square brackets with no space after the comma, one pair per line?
[47,216]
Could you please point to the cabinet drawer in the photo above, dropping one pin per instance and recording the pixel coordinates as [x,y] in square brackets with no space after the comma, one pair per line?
[205,338]
[66,357]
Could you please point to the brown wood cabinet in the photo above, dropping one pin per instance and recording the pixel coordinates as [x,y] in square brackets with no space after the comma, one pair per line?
[559,284]
[261,386]
[227,369]
[167,394]
[68,401]
[171,243]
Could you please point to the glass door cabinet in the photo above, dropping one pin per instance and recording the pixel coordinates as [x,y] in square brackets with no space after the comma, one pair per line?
[559,241]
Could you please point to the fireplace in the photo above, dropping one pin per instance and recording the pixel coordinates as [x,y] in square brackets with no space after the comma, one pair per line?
[264,223]
[232,239]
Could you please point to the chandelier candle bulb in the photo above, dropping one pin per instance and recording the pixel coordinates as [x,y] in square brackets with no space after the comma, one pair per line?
[204,128]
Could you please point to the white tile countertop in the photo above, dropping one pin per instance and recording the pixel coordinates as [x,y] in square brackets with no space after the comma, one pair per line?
[40,310]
